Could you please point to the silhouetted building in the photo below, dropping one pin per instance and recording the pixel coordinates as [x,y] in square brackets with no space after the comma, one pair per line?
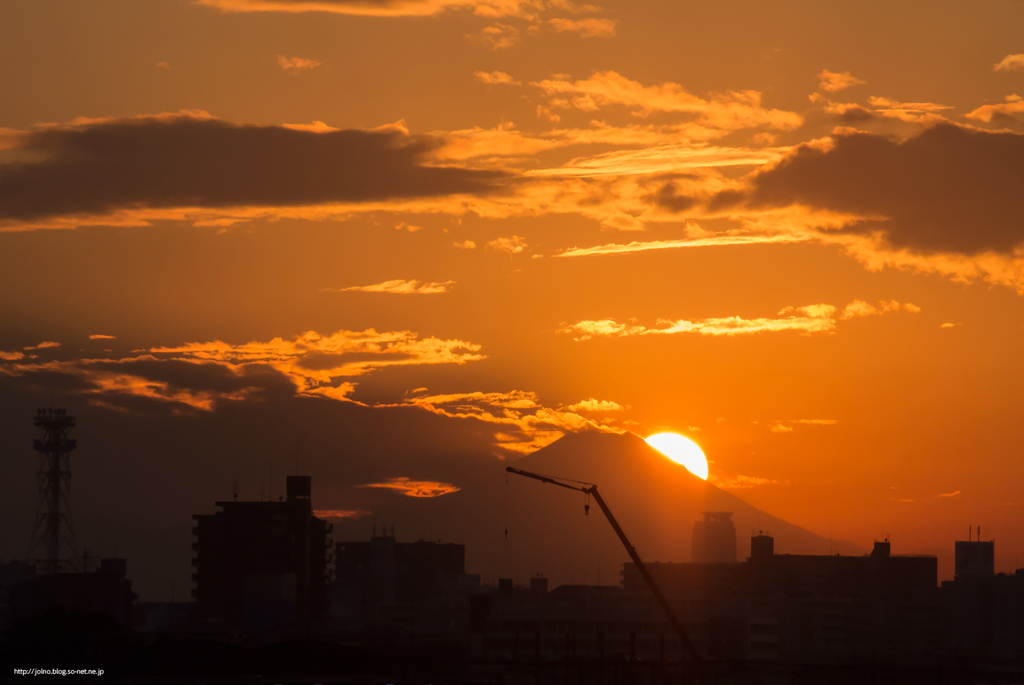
[414,586]
[262,567]
[106,591]
[714,539]
[983,611]
[12,576]
[975,558]
[788,606]
[762,546]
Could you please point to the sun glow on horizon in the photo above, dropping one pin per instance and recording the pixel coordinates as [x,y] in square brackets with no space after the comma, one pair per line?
[681,450]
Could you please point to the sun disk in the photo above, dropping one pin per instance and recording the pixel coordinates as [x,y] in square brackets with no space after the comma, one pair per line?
[682,451]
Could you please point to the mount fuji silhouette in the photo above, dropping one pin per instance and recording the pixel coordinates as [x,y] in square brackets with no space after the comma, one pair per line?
[654,499]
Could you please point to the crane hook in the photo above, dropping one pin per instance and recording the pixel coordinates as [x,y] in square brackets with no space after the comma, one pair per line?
[586,504]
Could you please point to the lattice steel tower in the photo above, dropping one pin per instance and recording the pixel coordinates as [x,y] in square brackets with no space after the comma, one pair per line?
[53,530]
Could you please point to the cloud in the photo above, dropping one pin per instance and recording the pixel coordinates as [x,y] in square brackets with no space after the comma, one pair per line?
[513,245]
[673,158]
[526,424]
[199,375]
[415,488]
[43,345]
[373,8]
[862,308]
[921,112]
[587,28]
[950,494]
[162,65]
[11,356]
[815,318]
[1009,114]
[340,513]
[496,37]
[831,81]
[314,361]
[168,165]
[398,287]
[731,111]
[592,405]
[465,245]
[495,78]
[948,189]
[950,325]
[742,482]
[675,244]
[100,336]
[546,114]
[786,425]
[297,63]
[1010,63]
[145,377]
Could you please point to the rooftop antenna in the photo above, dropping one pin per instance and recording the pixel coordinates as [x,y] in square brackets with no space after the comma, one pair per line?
[296,456]
[234,489]
[270,483]
[979,534]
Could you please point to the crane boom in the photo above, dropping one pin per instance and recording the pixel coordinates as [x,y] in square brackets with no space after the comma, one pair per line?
[591,489]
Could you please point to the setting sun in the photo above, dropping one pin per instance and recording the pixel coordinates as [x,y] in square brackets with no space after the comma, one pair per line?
[682,451]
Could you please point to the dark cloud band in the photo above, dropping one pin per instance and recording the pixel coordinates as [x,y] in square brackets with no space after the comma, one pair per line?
[949,189]
[190,161]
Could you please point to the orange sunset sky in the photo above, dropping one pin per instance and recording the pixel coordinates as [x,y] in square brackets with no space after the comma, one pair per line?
[454,230]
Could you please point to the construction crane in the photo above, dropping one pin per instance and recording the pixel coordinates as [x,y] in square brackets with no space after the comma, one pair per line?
[591,489]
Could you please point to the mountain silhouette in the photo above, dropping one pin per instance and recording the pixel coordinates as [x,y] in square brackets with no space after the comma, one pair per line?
[654,499]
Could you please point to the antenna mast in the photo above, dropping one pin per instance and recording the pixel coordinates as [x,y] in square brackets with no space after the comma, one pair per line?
[53,527]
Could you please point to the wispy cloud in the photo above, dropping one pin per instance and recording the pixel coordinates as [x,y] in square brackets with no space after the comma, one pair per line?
[513,245]
[398,287]
[43,345]
[718,240]
[374,8]
[831,81]
[587,28]
[527,425]
[950,494]
[731,111]
[1010,63]
[497,36]
[415,488]
[341,513]
[465,245]
[297,63]
[862,308]
[815,318]
[100,336]
[786,425]
[495,78]
[742,482]
[597,406]
[11,356]
[1001,113]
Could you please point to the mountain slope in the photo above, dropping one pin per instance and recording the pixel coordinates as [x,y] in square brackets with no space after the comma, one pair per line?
[655,500]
